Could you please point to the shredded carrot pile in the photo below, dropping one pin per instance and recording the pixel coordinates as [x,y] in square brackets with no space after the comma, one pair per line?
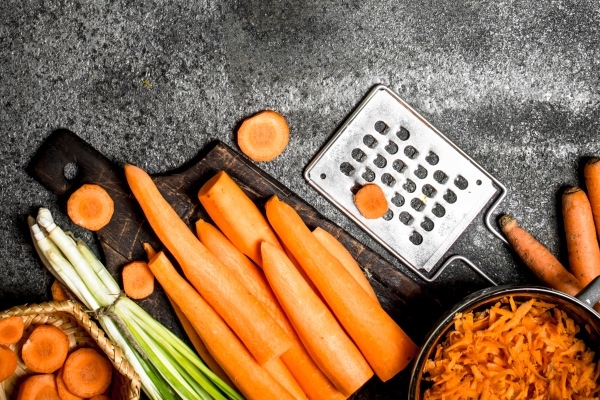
[513,351]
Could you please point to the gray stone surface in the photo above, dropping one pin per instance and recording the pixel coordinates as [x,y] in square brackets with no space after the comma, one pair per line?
[516,84]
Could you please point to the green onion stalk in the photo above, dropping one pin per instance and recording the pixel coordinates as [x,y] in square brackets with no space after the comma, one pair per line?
[167,367]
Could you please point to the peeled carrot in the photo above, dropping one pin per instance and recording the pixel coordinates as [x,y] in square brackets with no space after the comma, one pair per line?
[582,244]
[324,338]
[58,291]
[138,281]
[284,377]
[591,173]
[236,215]
[337,249]
[46,349]
[62,390]
[250,378]
[90,207]
[370,201]
[538,258]
[8,362]
[38,387]
[217,285]
[386,347]
[11,330]
[263,136]
[297,360]
[87,373]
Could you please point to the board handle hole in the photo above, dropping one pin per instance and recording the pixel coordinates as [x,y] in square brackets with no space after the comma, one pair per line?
[71,171]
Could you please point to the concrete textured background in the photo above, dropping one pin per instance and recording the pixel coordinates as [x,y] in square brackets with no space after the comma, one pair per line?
[515,84]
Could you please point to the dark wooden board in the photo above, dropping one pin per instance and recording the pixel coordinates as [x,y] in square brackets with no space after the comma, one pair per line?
[404,299]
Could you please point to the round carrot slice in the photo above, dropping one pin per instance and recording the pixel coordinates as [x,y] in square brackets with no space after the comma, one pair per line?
[62,390]
[38,387]
[11,330]
[138,281]
[263,136]
[90,207]
[46,349]
[8,362]
[87,373]
[370,201]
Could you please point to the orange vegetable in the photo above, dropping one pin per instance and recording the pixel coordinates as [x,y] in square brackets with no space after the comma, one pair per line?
[217,285]
[62,390]
[8,362]
[263,136]
[38,387]
[582,244]
[370,201]
[90,207]
[58,291]
[11,330]
[337,249]
[87,373]
[138,281]
[284,377]
[46,349]
[250,378]
[591,173]
[538,258]
[236,215]
[386,347]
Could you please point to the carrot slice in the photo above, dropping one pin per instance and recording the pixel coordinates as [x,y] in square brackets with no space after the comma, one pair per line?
[236,215]
[46,349]
[87,373]
[58,291]
[250,378]
[38,387]
[11,330]
[62,390]
[386,347]
[221,288]
[263,136]
[591,173]
[8,362]
[370,201]
[90,207]
[138,281]
[337,249]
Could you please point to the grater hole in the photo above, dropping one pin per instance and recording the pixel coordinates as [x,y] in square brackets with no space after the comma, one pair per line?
[323,176]
[478,182]
[406,218]
[403,134]
[411,152]
[346,168]
[388,215]
[391,147]
[427,224]
[368,175]
[398,200]
[399,165]
[432,158]
[438,210]
[461,183]
[381,127]
[380,161]
[409,186]
[388,180]
[359,155]
[370,141]
[417,204]
[450,196]
[416,238]
[421,172]
[428,190]
[440,177]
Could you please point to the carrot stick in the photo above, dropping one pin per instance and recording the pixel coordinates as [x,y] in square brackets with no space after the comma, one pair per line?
[46,349]
[582,244]
[370,201]
[236,215]
[591,173]
[282,374]
[538,258]
[337,249]
[38,387]
[263,136]
[58,291]
[138,281]
[221,288]
[8,362]
[387,348]
[305,372]
[250,378]
[11,330]
[62,390]
[324,338]
[87,373]
[90,207]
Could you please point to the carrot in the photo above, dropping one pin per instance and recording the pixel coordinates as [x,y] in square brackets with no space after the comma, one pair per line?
[297,360]
[236,215]
[87,373]
[11,330]
[150,251]
[221,288]
[58,292]
[337,249]
[38,387]
[90,207]
[250,378]
[138,281]
[386,347]
[591,173]
[62,390]
[582,244]
[46,349]
[324,338]
[263,136]
[538,258]
[284,377]
[370,201]
[8,362]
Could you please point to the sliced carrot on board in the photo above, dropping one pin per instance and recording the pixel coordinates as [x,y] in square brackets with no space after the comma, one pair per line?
[87,373]
[58,292]
[370,201]
[90,207]
[11,330]
[138,281]
[591,173]
[8,362]
[263,136]
[62,390]
[38,387]
[46,349]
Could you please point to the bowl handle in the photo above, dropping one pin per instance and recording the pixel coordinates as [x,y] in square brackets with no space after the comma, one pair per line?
[590,294]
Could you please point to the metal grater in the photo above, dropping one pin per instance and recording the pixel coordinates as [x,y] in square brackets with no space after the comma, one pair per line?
[434,189]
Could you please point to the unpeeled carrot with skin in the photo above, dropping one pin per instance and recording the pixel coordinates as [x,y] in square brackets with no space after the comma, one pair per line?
[218,286]
[46,349]
[138,281]
[305,372]
[38,387]
[582,244]
[90,207]
[8,362]
[386,347]
[250,378]
[591,173]
[11,330]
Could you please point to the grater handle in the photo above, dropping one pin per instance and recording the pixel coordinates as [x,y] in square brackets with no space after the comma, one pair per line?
[488,215]
[466,261]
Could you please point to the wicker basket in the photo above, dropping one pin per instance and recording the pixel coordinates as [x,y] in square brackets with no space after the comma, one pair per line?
[82,332]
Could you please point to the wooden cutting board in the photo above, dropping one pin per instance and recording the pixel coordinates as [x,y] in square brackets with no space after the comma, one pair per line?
[405,300]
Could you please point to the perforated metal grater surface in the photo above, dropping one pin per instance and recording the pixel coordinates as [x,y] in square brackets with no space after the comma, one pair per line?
[434,189]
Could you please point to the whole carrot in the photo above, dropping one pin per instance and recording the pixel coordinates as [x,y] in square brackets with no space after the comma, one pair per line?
[591,173]
[582,245]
